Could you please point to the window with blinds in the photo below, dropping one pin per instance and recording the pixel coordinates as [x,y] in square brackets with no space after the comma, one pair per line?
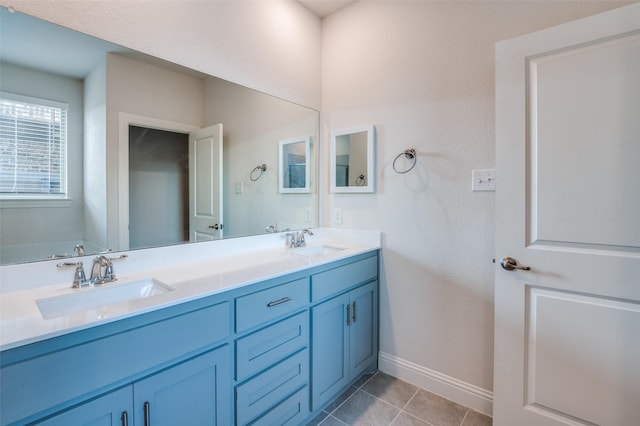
[33,147]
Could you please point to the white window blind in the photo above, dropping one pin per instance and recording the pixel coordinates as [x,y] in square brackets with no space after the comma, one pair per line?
[33,147]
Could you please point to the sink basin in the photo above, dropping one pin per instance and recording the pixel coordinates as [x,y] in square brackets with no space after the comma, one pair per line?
[99,297]
[318,250]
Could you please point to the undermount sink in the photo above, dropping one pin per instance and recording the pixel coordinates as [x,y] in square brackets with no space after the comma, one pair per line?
[100,297]
[318,250]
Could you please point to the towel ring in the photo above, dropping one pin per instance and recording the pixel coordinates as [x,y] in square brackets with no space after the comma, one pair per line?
[262,168]
[409,154]
[360,180]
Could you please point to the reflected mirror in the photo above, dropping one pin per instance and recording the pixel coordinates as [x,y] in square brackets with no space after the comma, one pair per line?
[124,111]
[294,167]
[352,160]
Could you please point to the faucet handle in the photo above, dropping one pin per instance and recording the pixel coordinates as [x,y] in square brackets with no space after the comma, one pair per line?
[79,277]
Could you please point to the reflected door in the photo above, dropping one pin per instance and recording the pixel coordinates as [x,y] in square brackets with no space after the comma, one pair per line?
[568,148]
[205,184]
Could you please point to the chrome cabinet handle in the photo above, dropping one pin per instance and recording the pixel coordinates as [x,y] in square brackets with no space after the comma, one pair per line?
[510,264]
[348,313]
[353,308]
[278,302]
[125,418]
[147,414]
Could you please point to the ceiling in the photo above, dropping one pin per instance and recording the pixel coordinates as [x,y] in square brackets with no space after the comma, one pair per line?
[324,8]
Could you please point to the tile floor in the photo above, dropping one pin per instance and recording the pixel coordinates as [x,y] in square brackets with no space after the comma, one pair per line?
[381,400]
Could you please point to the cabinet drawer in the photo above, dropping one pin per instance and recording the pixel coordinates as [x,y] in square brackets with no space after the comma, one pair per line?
[268,388]
[265,347]
[325,284]
[265,305]
[290,412]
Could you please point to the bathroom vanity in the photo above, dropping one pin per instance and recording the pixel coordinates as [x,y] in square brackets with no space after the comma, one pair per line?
[267,337]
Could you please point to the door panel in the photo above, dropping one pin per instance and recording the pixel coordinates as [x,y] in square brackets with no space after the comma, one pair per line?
[330,349]
[205,184]
[196,392]
[107,410]
[567,150]
[596,85]
[363,330]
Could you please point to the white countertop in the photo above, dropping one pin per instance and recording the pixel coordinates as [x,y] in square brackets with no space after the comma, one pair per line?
[217,267]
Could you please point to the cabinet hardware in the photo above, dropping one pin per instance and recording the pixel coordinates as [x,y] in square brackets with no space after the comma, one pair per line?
[348,313]
[147,414]
[278,302]
[353,308]
[125,418]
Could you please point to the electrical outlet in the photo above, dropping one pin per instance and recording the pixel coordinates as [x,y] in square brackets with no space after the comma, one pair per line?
[239,188]
[483,180]
[337,216]
[308,217]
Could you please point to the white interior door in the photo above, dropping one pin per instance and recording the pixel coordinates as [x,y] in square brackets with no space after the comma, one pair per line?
[205,183]
[567,332]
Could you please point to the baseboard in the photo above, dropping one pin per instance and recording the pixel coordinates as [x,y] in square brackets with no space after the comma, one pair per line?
[451,388]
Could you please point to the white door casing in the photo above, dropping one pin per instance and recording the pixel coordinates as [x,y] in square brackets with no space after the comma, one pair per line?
[567,346]
[205,184]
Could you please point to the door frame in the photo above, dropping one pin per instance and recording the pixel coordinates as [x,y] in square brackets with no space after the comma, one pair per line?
[124,121]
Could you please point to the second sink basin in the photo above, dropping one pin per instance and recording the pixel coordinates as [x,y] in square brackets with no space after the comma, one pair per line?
[99,297]
[318,250]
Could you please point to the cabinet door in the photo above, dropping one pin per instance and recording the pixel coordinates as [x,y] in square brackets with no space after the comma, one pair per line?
[363,331]
[196,392]
[112,409]
[330,349]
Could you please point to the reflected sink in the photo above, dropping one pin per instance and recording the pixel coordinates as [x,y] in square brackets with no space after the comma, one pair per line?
[99,297]
[318,250]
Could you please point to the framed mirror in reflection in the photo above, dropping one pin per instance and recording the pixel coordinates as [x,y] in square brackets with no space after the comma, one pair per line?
[122,108]
[353,160]
[294,174]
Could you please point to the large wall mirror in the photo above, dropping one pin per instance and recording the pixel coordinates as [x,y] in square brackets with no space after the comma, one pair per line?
[127,164]
[353,160]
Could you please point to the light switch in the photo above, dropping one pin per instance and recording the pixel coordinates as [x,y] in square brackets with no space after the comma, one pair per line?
[483,180]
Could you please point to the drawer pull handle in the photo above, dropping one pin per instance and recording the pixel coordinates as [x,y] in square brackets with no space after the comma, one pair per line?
[147,414]
[125,419]
[278,302]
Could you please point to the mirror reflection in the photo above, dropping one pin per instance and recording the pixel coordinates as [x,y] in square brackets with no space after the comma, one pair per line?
[294,156]
[352,153]
[127,181]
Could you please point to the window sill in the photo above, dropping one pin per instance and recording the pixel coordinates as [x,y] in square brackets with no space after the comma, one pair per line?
[20,202]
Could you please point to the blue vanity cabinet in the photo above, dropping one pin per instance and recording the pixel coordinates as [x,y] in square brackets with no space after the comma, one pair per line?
[344,341]
[195,392]
[158,356]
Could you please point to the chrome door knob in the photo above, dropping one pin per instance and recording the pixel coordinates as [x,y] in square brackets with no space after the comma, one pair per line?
[510,264]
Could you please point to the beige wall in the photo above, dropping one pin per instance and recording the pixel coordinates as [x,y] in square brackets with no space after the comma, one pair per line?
[423,73]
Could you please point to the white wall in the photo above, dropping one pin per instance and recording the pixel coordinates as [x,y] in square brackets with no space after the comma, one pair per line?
[253,124]
[423,73]
[24,227]
[272,46]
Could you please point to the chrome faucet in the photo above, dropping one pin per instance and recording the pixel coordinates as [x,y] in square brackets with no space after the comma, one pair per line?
[296,239]
[97,277]
[96,270]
